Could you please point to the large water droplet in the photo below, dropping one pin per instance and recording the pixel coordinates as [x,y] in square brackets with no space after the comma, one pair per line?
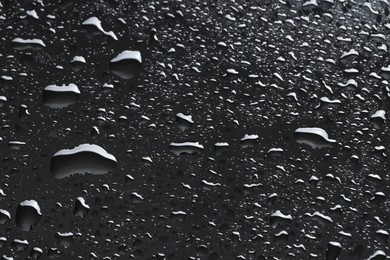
[81,208]
[127,64]
[314,137]
[27,44]
[5,216]
[333,251]
[95,23]
[60,96]
[186,148]
[27,215]
[85,158]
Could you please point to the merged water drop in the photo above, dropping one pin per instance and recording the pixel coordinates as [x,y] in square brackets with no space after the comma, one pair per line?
[60,96]
[28,44]
[82,159]
[315,137]
[94,22]
[81,208]
[186,148]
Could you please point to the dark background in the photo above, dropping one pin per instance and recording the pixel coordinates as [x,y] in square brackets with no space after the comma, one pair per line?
[224,108]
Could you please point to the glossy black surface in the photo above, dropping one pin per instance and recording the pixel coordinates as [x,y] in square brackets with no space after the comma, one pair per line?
[280,150]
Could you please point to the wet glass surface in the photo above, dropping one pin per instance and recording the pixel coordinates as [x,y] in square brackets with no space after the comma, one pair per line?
[194,129]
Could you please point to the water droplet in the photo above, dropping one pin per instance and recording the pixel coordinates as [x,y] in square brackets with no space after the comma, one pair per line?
[27,215]
[315,137]
[60,96]
[186,148]
[27,44]
[85,158]
[81,208]
[127,64]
